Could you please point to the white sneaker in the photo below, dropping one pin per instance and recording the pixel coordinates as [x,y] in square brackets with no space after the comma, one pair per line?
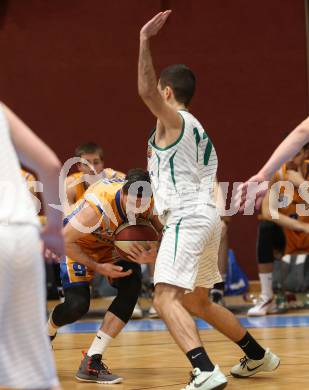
[137,312]
[152,313]
[248,367]
[263,306]
[206,380]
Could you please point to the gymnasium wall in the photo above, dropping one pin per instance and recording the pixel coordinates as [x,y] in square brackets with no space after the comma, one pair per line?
[69,69]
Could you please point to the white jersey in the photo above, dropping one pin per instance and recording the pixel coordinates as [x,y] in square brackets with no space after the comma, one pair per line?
[183,173]
[16,206]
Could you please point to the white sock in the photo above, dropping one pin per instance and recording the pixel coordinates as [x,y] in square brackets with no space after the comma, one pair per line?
[266,285]
[99,344]
[51,328]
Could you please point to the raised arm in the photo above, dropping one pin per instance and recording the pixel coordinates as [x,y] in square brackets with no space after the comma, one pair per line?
[286,150]
[35,154]
[147,79]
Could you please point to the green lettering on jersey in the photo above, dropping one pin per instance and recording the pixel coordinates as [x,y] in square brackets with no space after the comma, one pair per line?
[197,140]
[172,169]
[207,153]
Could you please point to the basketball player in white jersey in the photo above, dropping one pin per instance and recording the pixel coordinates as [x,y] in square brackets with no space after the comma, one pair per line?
[26,360]
[183,164]
[288,148]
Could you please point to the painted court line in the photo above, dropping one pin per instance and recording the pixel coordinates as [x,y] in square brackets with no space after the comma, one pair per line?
[148,325]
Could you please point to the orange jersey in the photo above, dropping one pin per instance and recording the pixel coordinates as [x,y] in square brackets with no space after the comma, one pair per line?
[81,185]
[290,210]
[296,241]
[104,198]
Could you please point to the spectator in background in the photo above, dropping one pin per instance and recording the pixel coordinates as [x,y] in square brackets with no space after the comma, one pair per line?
[288,234]
[76,184]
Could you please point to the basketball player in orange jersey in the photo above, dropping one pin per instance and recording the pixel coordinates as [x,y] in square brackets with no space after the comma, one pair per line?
[89,172]
[88,234]
[76,184]
[25,357]
[183,163]
[287,233]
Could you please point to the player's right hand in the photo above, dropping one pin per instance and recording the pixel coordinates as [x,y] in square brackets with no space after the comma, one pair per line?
[154,25]
[111,270]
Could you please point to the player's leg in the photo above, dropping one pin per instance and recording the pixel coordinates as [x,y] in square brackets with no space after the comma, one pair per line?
[75,306]
[217,292]
[198,303]
[175,271]
[168,302]
[258,359]
[116,317]
[75,280]
[271,240]
[26,359]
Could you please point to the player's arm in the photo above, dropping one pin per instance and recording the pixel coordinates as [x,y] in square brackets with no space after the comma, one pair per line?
[70,190]
[288,148]
[36,155]
[147,79]
[86,220]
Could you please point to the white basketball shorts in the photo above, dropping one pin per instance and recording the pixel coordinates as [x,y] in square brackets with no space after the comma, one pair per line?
[188,254]
[26,359]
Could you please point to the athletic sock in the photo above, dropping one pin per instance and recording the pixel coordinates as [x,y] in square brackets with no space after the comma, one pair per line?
[51,327]
[198,358]
[266,285]
[251,347]
[99,344]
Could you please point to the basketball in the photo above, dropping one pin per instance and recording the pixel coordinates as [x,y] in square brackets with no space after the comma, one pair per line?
[141,233]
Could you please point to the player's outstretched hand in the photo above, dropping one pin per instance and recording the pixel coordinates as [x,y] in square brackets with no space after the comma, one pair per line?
[112,271]
[243,193]
[53,242]
[154,25]
[139,254]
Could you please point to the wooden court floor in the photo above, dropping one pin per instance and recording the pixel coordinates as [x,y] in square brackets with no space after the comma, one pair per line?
[151,360]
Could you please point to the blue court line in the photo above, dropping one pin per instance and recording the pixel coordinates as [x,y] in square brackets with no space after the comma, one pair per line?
[147,325]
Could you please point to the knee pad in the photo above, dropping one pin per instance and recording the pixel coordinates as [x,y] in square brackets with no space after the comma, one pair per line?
[271,239]
[75,305]
[129,289]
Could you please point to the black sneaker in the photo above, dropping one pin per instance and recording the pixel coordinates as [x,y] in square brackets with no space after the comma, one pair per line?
[92,369]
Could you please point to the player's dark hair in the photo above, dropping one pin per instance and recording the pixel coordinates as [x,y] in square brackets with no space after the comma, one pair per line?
[134,175]
[89,147]
[181,80]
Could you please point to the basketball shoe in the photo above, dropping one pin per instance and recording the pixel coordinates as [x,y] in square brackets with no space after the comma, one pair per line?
[92,369]
[206,380]
[262,306]
[248,367]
